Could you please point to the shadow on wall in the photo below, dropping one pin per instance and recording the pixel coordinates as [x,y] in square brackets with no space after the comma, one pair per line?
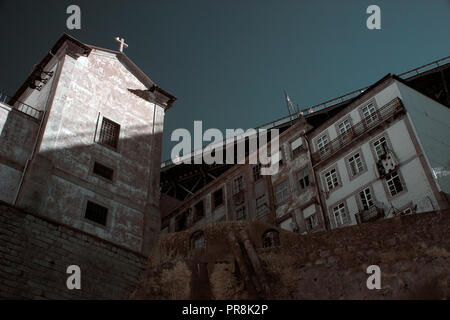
[101,177]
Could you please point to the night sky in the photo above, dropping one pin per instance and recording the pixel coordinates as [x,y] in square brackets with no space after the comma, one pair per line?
[228,62]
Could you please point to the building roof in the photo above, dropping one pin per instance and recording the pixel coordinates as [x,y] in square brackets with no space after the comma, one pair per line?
[86,49]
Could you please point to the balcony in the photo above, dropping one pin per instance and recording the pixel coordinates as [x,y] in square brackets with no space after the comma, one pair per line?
[358,130]
[370,215]
[20,106]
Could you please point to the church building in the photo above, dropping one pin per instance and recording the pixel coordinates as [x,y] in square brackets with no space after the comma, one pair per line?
[81,144]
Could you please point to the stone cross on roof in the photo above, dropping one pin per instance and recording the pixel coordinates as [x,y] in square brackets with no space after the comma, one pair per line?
[122,43]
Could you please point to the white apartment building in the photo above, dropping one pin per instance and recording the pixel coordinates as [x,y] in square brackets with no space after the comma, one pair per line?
[382,155]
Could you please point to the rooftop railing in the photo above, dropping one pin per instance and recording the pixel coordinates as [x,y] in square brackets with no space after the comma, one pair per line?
[20,106]
[367,124]
[343,98]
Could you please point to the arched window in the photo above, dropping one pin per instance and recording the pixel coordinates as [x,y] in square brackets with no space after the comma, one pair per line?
[271,238]
[197,240]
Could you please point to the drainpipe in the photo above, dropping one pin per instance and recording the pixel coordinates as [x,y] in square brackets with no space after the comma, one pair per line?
[41,125]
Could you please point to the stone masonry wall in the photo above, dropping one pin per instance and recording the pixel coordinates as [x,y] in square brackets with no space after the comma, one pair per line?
[413,253]
[35,253]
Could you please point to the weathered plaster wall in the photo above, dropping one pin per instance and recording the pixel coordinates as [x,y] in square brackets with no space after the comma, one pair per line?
[35,253]
[413,253]
[18,134]
[426,113]
[61,181]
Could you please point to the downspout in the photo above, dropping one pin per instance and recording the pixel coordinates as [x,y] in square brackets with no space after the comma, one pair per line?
[33,151]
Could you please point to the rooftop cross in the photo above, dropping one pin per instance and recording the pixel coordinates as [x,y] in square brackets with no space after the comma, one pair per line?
[122,43]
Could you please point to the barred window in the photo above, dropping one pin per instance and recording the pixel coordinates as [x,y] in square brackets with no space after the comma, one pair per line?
[109,133]
[96,213]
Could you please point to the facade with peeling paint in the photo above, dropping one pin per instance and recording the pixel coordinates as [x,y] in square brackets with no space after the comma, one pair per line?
[81,144]
[287,198]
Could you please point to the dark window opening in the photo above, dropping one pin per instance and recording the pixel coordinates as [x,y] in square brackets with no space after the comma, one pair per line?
[197,240]
[109,133]
[257,172]
[199,210]
[271,238]
[218,198]
[96,213]
[103,171]
[180,222]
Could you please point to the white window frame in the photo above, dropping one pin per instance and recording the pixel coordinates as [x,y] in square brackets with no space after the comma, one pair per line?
[390,183]
[368,198]
[340,211]
[369,113]
[378,146]
[322,147]
[356,163]
[328,175]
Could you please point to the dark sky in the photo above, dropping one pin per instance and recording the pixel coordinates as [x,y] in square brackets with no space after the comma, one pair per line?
[228,61]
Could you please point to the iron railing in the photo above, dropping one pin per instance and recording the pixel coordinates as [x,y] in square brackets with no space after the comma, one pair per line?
[334,101]
[342,140]
[20,106]
[372,214]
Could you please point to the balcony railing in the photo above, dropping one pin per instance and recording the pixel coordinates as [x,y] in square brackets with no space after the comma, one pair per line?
[20,106]
[374,213]
[393,107]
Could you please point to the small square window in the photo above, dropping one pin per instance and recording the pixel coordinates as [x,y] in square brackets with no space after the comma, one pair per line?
[103,171]
[96,213]
[109,133]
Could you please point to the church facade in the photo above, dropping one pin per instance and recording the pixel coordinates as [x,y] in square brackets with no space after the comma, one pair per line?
[81,144]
